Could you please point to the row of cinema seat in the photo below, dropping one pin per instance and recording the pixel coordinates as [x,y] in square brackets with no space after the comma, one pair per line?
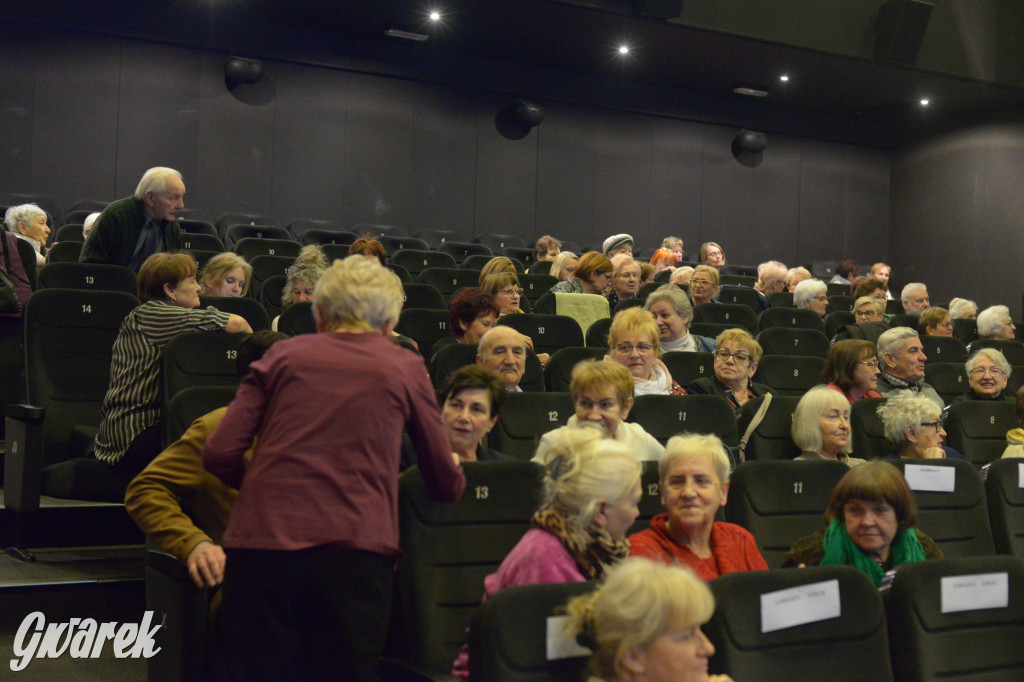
[913,632]
[448,549]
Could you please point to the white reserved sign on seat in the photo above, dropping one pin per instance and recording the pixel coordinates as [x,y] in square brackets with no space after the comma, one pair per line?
[975,592]
[1020,475]
[799,605]
[559,645]
[930,479]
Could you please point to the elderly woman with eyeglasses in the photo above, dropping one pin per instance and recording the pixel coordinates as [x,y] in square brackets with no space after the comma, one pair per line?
[934,321]
[634,343]
[811,294]
[869,309]
[995,324]
[504,287]
[736,358]
[987,374]
[704,284]
[913,424]
[851,368]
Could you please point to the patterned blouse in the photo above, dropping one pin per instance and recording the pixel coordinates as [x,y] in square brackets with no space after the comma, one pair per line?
[132,403]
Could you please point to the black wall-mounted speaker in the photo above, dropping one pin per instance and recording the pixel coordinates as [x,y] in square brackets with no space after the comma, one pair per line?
[658,9]
[900,30]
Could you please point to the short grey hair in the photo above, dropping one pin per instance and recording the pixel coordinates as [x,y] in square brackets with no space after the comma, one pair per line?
[807,290]
[360,292]
[674,296]
[993,355]
[892,340]
[816,402]
[903,411]
[772,267]
[960,307]
[990,320]
[678,273]
[87,223]
[694,445]
[24,213]
[155,180]
[905,295]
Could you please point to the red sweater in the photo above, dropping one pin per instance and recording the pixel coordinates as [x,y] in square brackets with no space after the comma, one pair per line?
[732,549]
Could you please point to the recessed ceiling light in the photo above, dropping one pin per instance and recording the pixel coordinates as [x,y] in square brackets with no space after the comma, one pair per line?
[784,78]
[435,16]
[925,102]
[623,49]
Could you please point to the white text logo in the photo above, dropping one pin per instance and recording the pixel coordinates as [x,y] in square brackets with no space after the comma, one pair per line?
[81,638]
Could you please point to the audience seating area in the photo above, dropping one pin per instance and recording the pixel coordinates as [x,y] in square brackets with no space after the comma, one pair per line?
[58,357]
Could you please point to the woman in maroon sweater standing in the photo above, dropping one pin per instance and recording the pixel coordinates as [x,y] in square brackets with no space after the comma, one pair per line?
[313,536]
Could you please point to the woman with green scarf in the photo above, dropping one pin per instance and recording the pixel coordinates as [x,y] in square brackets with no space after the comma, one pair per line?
[870,519]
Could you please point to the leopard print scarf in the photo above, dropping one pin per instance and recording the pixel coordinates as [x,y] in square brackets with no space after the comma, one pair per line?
[593,550]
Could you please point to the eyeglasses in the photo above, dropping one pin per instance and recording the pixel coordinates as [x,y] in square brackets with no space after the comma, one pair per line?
[873,364]
[982,371]
[864,313]
[701,283]
[604,274]
[627,348]
[511,292]
[937,424]
[821,298]
[738,356]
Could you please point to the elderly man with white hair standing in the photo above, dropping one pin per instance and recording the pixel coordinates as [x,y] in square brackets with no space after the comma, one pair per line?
[901,359]
[915,298]
[132,229]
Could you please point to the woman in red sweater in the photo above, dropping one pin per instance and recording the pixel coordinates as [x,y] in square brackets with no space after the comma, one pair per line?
[694,475]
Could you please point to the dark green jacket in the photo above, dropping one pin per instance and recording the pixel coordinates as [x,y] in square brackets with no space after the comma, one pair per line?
[116,232]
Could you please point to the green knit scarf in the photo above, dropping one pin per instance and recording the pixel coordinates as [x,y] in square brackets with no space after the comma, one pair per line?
[841,551]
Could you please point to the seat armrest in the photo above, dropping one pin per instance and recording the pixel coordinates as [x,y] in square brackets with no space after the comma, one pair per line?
[23,458]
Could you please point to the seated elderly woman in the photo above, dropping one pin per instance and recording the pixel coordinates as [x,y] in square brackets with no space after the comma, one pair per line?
[316,508]
[647,273]
[1015,436]
[704,285]
[643,625]
[712,254]
[471,401]
[851,368]
[371,248]
[871,518]
[625,279]
[669,255]
[821,426]
[813,295]
[963,309]
[987,374]
[504,287]
[593,275]
[736,358]
[633,340]
[301,278]
[672,313]
[602,394]
[694,482]
[846,272]
[471,313]
[129,434]
[564,265]
[546,248]
[226,274]
[869,309]
[995,324]
[870,286]
[913,424]
[592,489]
[794,276]
[28,222]
[934,321]
[682,275]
